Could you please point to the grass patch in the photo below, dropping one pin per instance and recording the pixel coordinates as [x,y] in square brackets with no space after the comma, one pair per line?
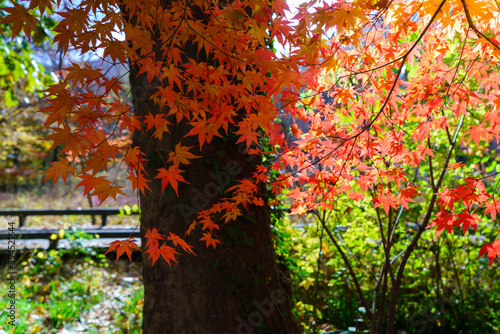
[76,290]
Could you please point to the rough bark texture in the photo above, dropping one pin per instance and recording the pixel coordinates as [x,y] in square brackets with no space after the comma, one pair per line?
[235,288]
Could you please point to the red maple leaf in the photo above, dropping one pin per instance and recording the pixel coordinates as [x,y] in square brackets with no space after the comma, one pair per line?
[475,133]
[21,19]
[406,196]
[493,251]
[493,208]
[123,246]
[387,201]
[443,220]
[467,220]
[447,198]
[454,165]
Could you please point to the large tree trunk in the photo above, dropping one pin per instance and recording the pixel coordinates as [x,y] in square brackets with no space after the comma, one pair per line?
[235,288]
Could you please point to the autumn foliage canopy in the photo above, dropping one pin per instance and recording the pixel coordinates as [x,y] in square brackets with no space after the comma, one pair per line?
[382,98]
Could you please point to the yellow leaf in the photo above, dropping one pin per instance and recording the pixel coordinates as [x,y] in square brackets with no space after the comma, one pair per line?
[346,18]
[181,155]
[191,228]
[258,32]
[324,248]
[307,283]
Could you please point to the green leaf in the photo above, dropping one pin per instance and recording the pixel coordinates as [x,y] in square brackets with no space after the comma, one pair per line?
[10,98]
[491,167]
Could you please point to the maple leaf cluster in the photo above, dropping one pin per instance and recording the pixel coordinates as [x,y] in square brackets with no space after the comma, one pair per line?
[376,92]
[383,90]
[152,247]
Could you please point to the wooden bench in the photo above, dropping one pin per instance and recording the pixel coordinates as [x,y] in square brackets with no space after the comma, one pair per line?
[32,234]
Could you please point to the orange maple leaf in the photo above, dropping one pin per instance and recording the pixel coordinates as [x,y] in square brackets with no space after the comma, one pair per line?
[72,140]
[134,157]
[105,190]
[158,122]
[209,223]
[209,240]
[123,246]
[247,133]
[232,214]
[58,169]
[204,130]
[181,155]
[178,241]
[454,165]
[138,181]
[153,236]
[90,182]
[346,17]
[172,175]
[96,163]
[153,254]
[191,228]
[167,252]
[151,67]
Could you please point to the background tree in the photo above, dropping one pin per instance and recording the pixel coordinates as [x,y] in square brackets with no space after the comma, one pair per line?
[22,76]
[393,98]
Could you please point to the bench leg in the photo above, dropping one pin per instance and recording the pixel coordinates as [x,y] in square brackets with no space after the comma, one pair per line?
[53,243]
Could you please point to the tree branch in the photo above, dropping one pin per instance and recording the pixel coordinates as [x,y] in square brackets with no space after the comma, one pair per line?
[416,238]
[364,302]
[473,26]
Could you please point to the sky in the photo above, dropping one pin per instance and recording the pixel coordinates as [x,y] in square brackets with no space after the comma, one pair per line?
[293,5]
